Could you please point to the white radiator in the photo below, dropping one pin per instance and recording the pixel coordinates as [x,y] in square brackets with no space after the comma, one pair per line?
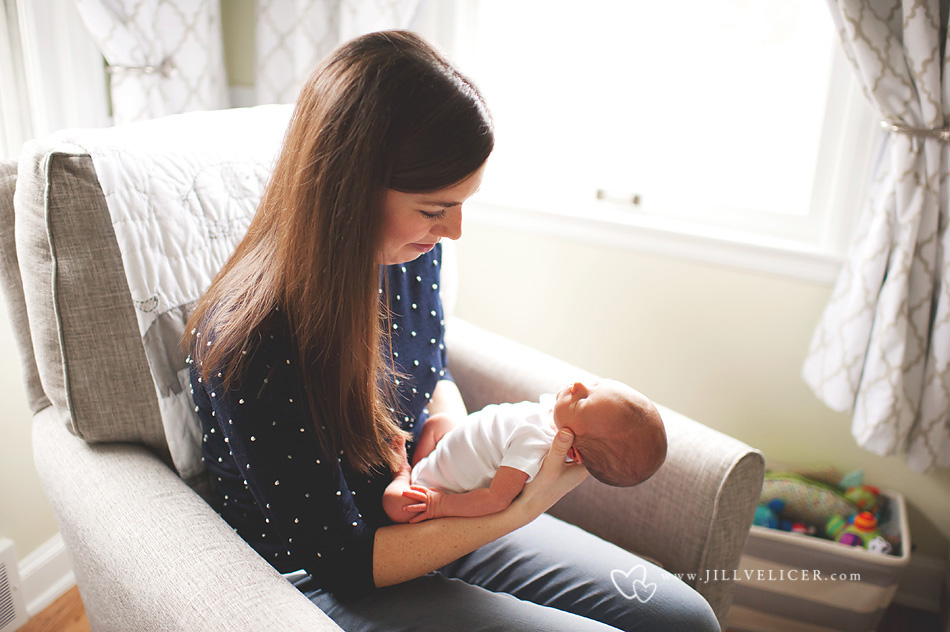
[12,605]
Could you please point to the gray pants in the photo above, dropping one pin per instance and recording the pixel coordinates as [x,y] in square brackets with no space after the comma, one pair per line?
[548,575]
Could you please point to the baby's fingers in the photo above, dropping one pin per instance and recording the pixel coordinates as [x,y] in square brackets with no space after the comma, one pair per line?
[414,494]
[415,508]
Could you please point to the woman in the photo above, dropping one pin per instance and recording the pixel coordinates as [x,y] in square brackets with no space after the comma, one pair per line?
[317,357]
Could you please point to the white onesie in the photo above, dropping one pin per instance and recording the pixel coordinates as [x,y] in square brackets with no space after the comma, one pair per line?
[515,435]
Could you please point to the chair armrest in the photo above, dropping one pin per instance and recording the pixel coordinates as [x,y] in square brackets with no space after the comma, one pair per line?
[692,516]
[148,552]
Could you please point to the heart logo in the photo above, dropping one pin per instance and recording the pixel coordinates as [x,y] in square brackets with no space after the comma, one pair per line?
[632,584]
[644,592]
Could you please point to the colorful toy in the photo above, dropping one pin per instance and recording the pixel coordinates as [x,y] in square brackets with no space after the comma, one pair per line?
[805,529]
[860,532]
[835,526]
[770,515]
[806,501]
[767,514]
[880,545]
[852,479]
[848,512]
[865,497]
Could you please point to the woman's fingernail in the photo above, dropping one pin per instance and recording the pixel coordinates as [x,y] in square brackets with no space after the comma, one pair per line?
[564,435]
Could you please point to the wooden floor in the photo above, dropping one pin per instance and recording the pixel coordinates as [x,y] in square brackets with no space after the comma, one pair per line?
[66,614]
[899,618]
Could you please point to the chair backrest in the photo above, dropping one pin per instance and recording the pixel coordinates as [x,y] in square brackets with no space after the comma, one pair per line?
[118,231]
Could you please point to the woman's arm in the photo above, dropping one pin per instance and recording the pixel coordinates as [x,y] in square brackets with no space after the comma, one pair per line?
[403,552]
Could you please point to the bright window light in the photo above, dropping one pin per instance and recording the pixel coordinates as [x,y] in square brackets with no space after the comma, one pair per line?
[719,113]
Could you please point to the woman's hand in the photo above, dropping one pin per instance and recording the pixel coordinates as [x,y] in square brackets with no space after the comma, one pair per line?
[555,478]
[435,543]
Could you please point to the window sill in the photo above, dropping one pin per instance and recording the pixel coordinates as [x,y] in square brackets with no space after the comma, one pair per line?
[651,235]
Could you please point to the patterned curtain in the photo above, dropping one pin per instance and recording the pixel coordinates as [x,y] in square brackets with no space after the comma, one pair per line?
[164,56]
[882,347]
[293,35]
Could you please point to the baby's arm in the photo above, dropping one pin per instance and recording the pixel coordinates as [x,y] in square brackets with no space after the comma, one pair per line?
[397,504]
[505,487]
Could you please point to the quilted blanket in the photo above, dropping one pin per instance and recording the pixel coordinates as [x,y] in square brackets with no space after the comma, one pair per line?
[177,215]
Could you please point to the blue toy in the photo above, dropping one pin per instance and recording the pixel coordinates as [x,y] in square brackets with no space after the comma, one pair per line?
[767,514]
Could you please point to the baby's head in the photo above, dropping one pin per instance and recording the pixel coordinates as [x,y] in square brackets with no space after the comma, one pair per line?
[618,433]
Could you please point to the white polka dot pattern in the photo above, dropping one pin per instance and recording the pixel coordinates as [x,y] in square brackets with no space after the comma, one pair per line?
[318,513]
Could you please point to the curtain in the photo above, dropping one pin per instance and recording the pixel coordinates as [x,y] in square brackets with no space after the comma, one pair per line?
[882,347]
[164,56]
[50,72]
[293,35]
[15,120]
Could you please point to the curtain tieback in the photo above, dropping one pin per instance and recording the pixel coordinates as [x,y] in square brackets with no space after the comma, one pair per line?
[166,69]
[943,135]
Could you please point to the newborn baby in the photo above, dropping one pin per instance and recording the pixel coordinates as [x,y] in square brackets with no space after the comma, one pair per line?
[480,466]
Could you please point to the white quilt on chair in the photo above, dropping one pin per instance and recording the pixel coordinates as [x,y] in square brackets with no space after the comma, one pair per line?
[178,213]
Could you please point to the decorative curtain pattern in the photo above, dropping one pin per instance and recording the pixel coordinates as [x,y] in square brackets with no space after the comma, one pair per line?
[882,346]
[293,35]
[164,56]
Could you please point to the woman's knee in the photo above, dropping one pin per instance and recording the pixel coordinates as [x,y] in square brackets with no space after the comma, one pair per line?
[687,611]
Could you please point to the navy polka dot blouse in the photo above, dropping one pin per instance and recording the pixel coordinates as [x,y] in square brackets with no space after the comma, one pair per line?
[299,507]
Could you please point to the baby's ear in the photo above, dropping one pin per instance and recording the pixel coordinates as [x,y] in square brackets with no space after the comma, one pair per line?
[574,455]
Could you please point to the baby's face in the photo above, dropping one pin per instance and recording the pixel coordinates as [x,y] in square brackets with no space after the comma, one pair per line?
[586,408]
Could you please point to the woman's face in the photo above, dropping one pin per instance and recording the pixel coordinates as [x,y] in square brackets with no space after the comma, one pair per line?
[413,223]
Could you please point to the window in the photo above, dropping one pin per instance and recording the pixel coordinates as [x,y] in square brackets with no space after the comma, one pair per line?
[51,72]
[715,121]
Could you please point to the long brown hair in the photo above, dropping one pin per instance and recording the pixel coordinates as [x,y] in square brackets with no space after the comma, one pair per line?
[382,111]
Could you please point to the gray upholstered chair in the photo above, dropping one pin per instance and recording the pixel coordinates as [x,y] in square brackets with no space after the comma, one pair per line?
[117,232]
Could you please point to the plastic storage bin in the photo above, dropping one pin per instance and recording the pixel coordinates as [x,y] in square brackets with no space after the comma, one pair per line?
[789,582]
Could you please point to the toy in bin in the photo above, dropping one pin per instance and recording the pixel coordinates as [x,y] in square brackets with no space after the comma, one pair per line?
[861,531]
[770,515]
[864,497]
[847,513]
[766,514]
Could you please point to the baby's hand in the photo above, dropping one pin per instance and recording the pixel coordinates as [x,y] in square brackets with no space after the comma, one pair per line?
[428,503]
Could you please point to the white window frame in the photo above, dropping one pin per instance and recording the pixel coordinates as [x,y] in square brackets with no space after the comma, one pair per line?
[851,134]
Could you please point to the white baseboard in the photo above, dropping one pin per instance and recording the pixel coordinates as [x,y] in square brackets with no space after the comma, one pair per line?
[46,574]
[923,584]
